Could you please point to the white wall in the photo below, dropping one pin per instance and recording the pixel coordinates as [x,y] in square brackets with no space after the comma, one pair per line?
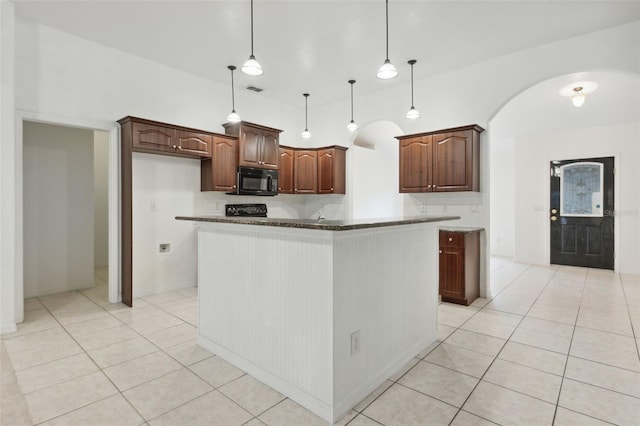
[58,209]
[101,198]
[10,313]
[532,156]
[374,166]
[502,191]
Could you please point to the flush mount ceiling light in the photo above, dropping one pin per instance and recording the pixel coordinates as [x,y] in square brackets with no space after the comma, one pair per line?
[306,134]
[252,67]
[233,117]
[413,113]
[578,91]
[387,70]
[352,126]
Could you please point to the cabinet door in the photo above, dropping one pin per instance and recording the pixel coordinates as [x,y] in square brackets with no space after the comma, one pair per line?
[452,274]
[269,153]
[285,171]
[326,170]
[305,173]
[453,161]
[149,138]
[225,151]
[249,147]
[190,143]
[416,164]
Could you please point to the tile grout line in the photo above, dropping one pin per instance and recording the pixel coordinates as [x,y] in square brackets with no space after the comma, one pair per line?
[626,302]
[505,343]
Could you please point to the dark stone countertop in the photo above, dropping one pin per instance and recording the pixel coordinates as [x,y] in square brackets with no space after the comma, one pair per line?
[322,225]
[460,229]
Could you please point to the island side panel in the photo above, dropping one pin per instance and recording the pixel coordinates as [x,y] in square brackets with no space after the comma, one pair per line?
[265,305]
[386,287]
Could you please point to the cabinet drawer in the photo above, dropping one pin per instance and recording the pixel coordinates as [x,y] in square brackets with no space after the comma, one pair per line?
[451,239]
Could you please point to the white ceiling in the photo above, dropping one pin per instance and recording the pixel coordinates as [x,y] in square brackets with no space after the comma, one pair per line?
[316,46]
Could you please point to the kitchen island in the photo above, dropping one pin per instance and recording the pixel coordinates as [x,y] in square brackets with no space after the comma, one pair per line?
[322,311]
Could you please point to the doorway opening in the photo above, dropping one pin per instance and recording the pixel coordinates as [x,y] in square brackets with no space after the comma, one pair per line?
[109,134]
[65,211]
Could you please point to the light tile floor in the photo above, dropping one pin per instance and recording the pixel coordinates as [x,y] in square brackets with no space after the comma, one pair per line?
[556,345]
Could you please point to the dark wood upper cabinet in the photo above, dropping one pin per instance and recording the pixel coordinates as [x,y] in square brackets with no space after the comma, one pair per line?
[441,161]
[257,145]
[154,137]
[285,170]
[194,143]
[416,157]
[331,170]
[219,172]
[305,173]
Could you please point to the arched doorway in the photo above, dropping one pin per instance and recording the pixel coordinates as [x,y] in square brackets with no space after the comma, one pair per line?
[538,126]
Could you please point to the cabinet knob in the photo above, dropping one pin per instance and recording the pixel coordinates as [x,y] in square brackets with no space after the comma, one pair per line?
[440,251]
[180,148]
[174,146]
[450,239]
[332,188]
[234,186]
[296,189]
[428,186]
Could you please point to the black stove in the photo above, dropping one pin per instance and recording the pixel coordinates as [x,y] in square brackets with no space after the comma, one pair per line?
[252,210]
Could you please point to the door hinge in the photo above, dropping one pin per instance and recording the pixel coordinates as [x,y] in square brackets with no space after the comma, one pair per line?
[614,170]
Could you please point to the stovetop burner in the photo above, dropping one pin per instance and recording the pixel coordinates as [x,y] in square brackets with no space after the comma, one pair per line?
[252,210]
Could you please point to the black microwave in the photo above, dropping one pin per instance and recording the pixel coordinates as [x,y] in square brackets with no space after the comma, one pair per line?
[252,181]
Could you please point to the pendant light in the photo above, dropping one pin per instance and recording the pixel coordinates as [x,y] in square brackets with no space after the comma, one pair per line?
[413,113]
[352,126]
[306,134]
[233,117]
[252,67]
[387,70]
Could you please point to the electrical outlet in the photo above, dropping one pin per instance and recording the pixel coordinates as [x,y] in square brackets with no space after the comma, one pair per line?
[423,208]
[355,342]
[164,248]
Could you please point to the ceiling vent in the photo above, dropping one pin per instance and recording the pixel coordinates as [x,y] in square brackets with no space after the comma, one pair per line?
[254,89]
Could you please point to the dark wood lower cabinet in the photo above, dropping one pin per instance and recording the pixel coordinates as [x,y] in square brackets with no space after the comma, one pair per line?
[459,266]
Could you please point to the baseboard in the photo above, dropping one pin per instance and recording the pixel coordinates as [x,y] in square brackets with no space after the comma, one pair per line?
[319,408]
[342,407]
[153,291]
[7,328]
[57,290]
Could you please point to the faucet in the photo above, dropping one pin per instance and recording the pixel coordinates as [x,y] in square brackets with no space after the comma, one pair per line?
[320,216]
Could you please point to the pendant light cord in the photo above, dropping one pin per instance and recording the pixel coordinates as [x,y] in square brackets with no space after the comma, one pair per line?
[411,85]
[306,124]
[233,95]
[252,28]
[387,21]
[351,101]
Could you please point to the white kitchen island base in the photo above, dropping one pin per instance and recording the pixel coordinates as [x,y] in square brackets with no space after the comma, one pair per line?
[322,316]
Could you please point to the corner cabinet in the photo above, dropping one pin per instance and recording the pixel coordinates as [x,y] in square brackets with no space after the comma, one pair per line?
[154,137]
[441,161]
[312,170]
[305,171]
[257,145]
[459,266]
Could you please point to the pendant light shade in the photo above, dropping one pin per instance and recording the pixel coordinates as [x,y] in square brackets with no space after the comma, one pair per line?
[233,117]
[306,133]
[387,70]
[252,67]
[352,126]
[413,113]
